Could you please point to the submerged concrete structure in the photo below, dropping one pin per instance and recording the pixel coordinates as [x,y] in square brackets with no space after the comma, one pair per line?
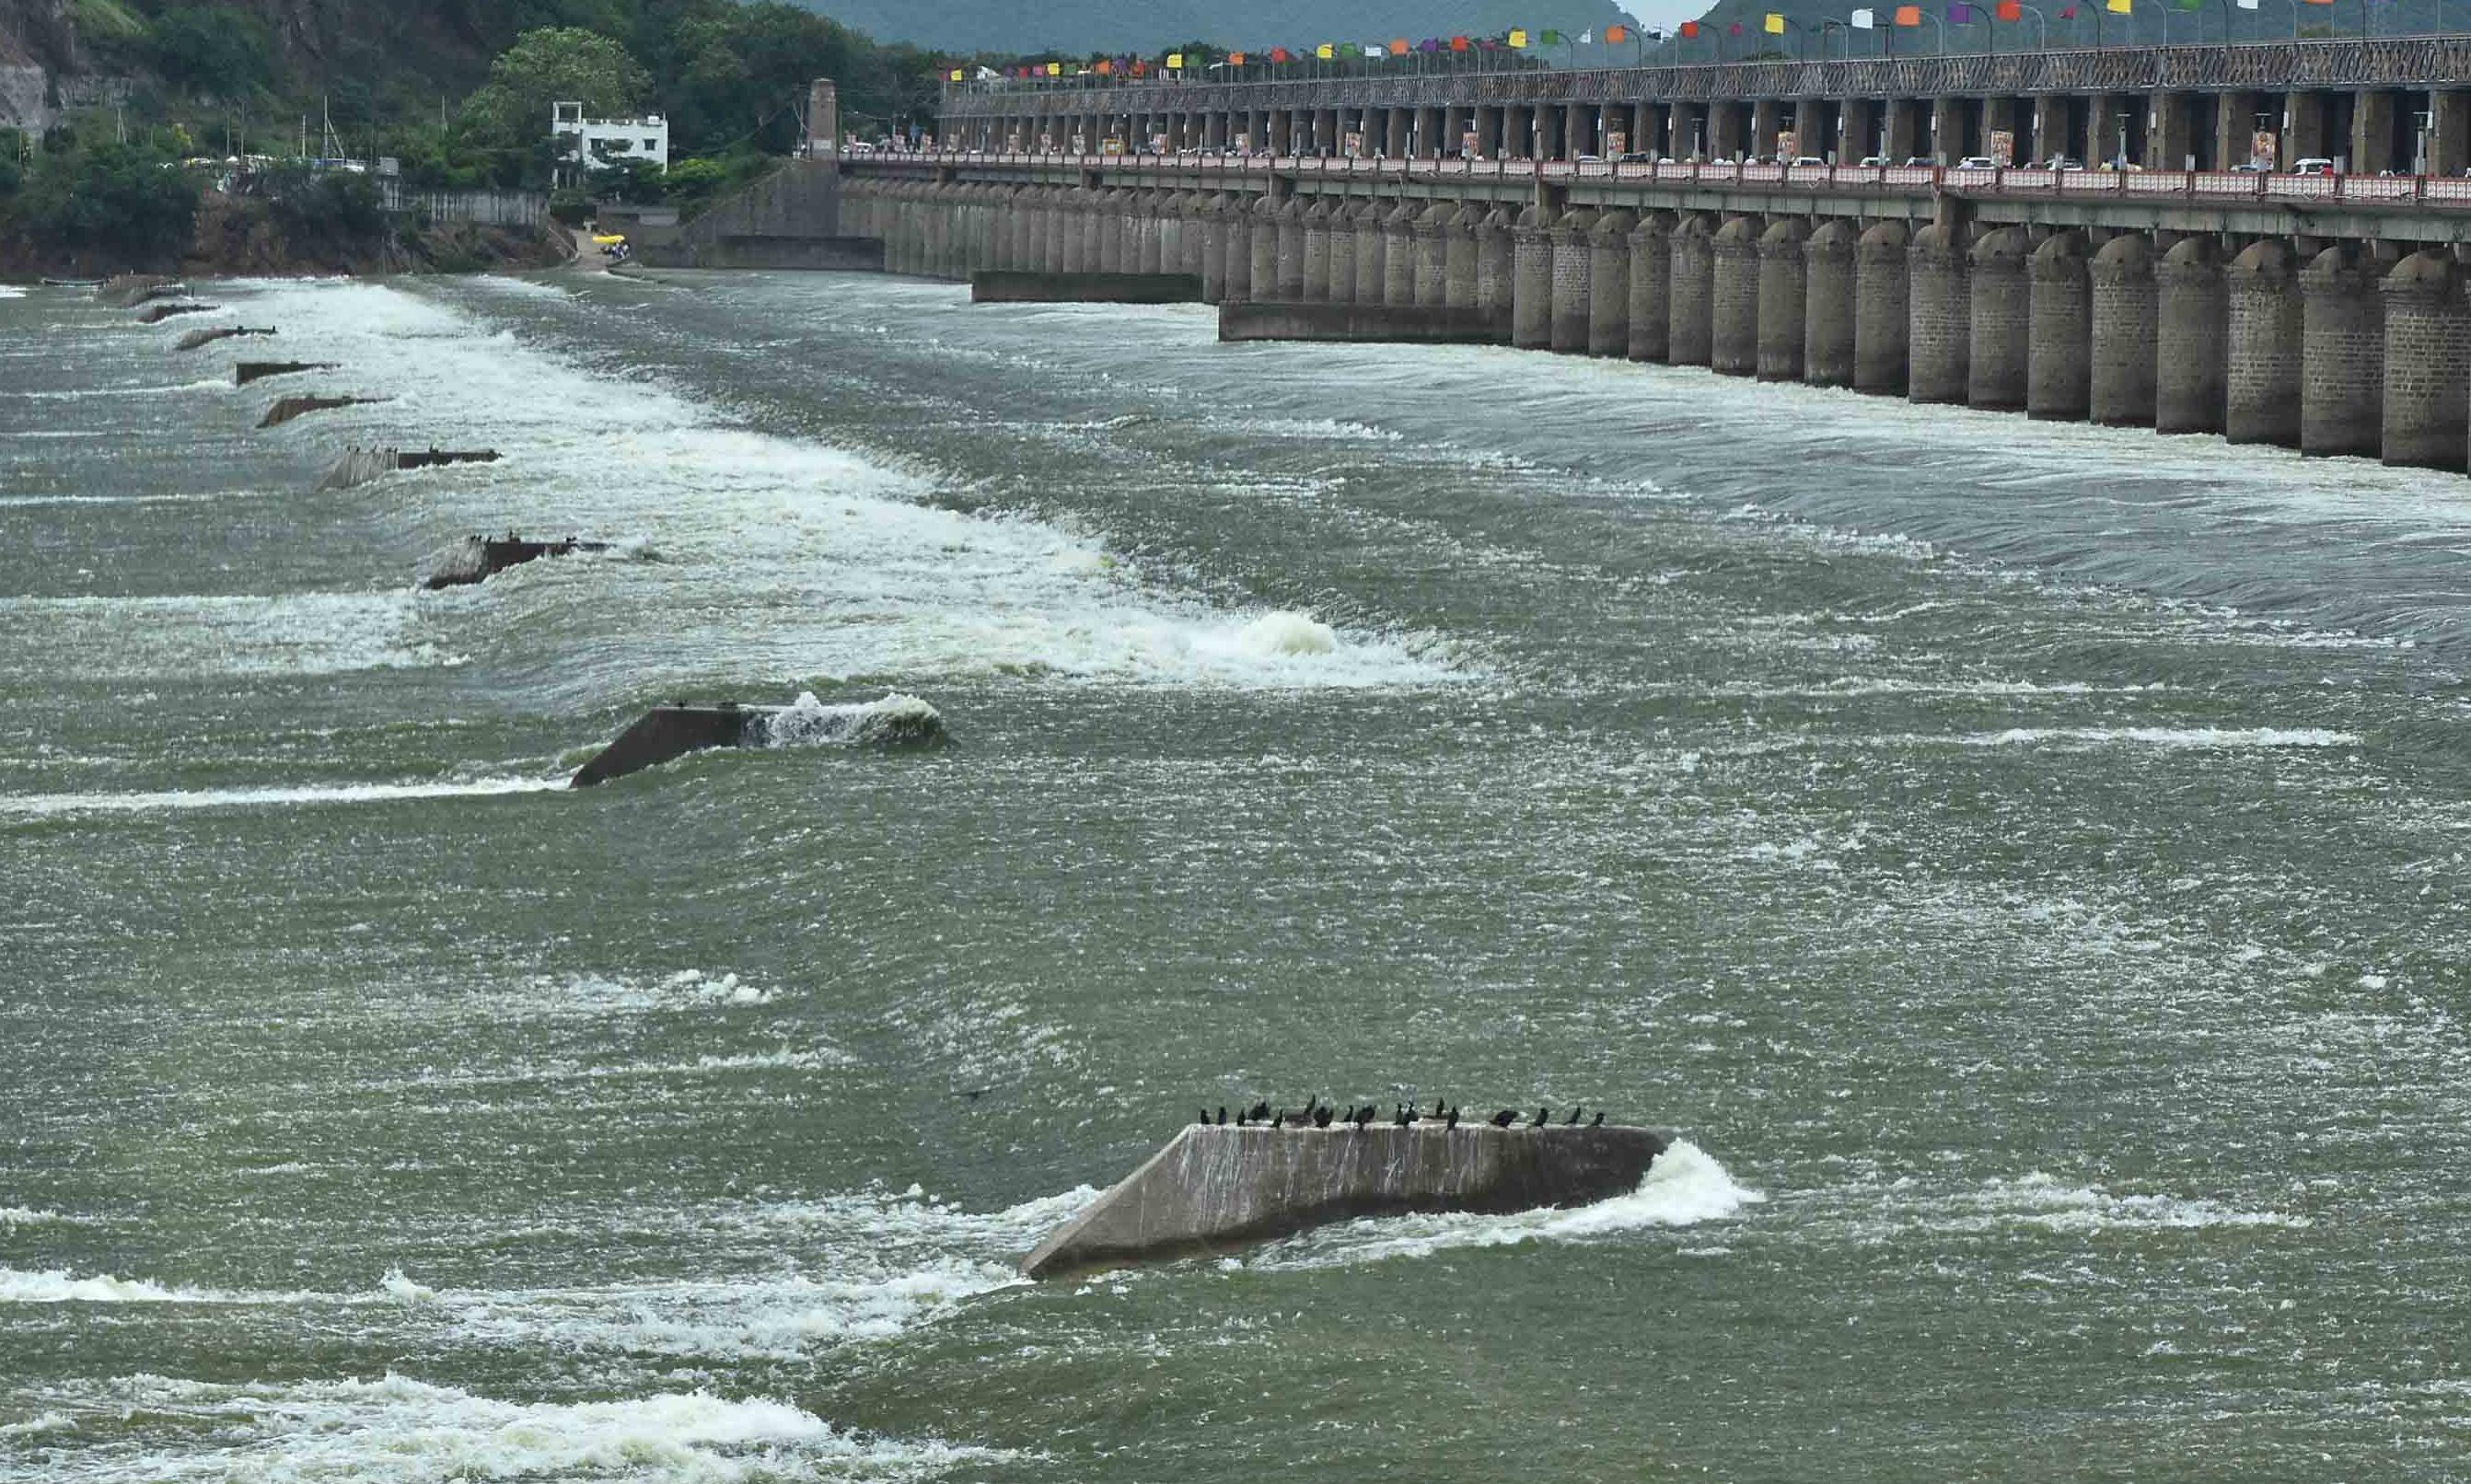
[666,733]
[478,558]
[1217,1187]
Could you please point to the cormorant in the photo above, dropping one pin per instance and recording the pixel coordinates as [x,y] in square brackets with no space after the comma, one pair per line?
[1438,1109]
[1243,1116]
[1205,1117]
[1222,1116]
[1574,1118]
[1453,1120]
[1599,1123]
[1504,1119]
[1363,1118]
[1278,1118]
[1322,1117]
[1402,1117]
[1543,1116]
[1260,1110]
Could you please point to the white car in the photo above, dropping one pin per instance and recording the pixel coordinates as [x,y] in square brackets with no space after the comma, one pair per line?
[1809,161]
[1977,163]
[2314,165]
[1874,161]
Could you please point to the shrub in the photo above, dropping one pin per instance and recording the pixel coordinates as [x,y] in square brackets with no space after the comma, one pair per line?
[118,200]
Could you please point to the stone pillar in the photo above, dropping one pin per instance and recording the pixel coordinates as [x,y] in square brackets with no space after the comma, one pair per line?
[2234,127]
[1947,129]
[1829,297]
[1339,265]
[1530,302]
[1651,286]
[1690,333]
[1807,125]
[2262,354]
[1427,144]
[2372,132]
[2050,126]
[2192,330]
[2428,341]
[1393,134]
[1734,348]
[1885,265]
[1573,253]
[2126,333]
[1517,131]
[2001,322]
[2303,127]
[1904,130]
[1211,212]
[1495,260]
[1459,255]
[2449,132]
[1398,255]
[2058,354]
[1162,223]
[1315,283]
[1609,283]
[1432,253]
[1107,225]
[1069,236]
[2167,144]
[1193,239]
[1264,280]
[1766,122]
[1940,329]
[1291,249]
[2342,353]
[1725,129]
[1784,299]
[1372,253]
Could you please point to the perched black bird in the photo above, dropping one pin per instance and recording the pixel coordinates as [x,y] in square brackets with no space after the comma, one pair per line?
[1403,1117]
[1205,1117]
[1260,1110]
[1574,1119]
[1543,1116]
[1222,1116]
[1363,1118]
[1243,1116]
[1599,1123]
[1438,1109]
[1323,1116]
[1453,1120]
[1278,1118]
[1504,1119]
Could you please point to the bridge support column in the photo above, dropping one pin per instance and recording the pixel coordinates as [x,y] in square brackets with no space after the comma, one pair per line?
[1372,250]
[1262,282]
[1433,252]
[1651,286]
[1856,129]
[1733,350]
[2342,353]
[2058,349]
[2428,341]
[1784,299]
[1314,282]
[2193,329]
[1398,253]
[1339,265]
[2263,353]
[1884,265]
[1459,255]
[1809,127]
[1531,290]
[1209,224]
[1947,129]
[2001,322]
[1829,297]
[1905,119]
[2234,128]
[2168,145]
[2449,132]
[1609,283]
[1496,261]
[1767,121]
[1113,211]
[1573,255]
[1290,260]
[1941,324]
[1727,124]
[1394,131]
[2126,333]
[1690,335]
[2050,127]
[2372,132]
[2303,128]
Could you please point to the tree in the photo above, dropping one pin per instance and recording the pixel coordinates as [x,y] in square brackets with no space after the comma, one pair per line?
[511,111]
[212,51]
[120,201]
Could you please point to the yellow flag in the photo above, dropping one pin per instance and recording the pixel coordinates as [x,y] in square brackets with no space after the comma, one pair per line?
[1323,51]
[956,74]
[1055,69]
[2117,6]
[1775,24]
[1518,39]
[1175,62]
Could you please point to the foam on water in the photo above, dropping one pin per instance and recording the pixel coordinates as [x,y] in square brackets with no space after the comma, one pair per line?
[59,1286]
[894,719]
[1685,1188]
[187,637]
[2206,738]
[399,1430]
[40,806]
[38,1426]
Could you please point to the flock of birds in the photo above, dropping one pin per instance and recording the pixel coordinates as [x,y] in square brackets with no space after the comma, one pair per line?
[1320,1115]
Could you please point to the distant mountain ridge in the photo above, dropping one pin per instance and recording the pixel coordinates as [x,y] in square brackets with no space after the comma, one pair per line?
[1079,26]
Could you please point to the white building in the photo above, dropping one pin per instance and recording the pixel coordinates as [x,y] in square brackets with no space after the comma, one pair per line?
[587,145]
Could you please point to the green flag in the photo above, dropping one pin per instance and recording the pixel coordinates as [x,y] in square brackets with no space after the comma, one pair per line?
[1551,38]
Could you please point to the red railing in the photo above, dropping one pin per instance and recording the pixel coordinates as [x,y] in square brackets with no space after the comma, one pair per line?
[2210,185]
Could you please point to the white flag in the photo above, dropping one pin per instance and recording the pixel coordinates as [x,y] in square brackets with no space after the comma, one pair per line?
[1588,37]
[2247,5]
[1863,21]
[1369,50]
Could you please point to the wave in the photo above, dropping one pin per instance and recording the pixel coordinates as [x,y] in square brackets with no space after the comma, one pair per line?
[2207,738]
[1685,1188]
[895,719]
[57,1285]
[184,637]
[400,1431]
[44,805]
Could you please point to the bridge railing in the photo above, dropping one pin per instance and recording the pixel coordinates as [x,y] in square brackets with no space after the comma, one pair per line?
[2212,186]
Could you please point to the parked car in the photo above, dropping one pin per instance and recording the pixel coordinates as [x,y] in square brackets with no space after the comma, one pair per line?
[1874,161]
[1977,163]
[2314,165]
[1920,162]
[1635,157]
[2063,162]
[1806,161]
[2251,168]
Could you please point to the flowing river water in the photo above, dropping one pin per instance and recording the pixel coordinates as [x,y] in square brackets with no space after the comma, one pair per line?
[2024,863]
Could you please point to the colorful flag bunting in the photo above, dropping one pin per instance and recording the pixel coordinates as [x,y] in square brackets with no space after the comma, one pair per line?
[1518,40]
[1588,37]
[1689,28]
[2011,9]
[1773,23]
[1552,38]
[1864,20]
[1460,43]
[2122,7]
[1960,14]
[1399,46]
[1615,36]
[1175,62]
[1909,15]
[1733,30]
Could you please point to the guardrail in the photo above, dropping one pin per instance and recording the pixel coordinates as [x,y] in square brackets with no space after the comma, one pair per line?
[2211,186]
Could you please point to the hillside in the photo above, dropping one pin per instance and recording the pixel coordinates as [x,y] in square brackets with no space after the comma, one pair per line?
[1084,26]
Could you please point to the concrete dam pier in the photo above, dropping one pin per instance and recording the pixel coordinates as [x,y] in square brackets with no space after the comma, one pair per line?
[666,733]
[1216,1188]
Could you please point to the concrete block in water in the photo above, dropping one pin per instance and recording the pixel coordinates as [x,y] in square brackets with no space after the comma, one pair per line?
[247,371]
[361,465]
[1254,320]
[289,408]
[196,338]
[1007,287]
[670,732]
[1218,1186]
[478,558]
[128,290]
[159,312]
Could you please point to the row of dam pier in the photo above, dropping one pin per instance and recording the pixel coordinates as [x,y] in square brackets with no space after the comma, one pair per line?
[2263,331]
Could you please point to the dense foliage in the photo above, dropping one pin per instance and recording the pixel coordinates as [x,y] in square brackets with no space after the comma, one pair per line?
[125,203]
